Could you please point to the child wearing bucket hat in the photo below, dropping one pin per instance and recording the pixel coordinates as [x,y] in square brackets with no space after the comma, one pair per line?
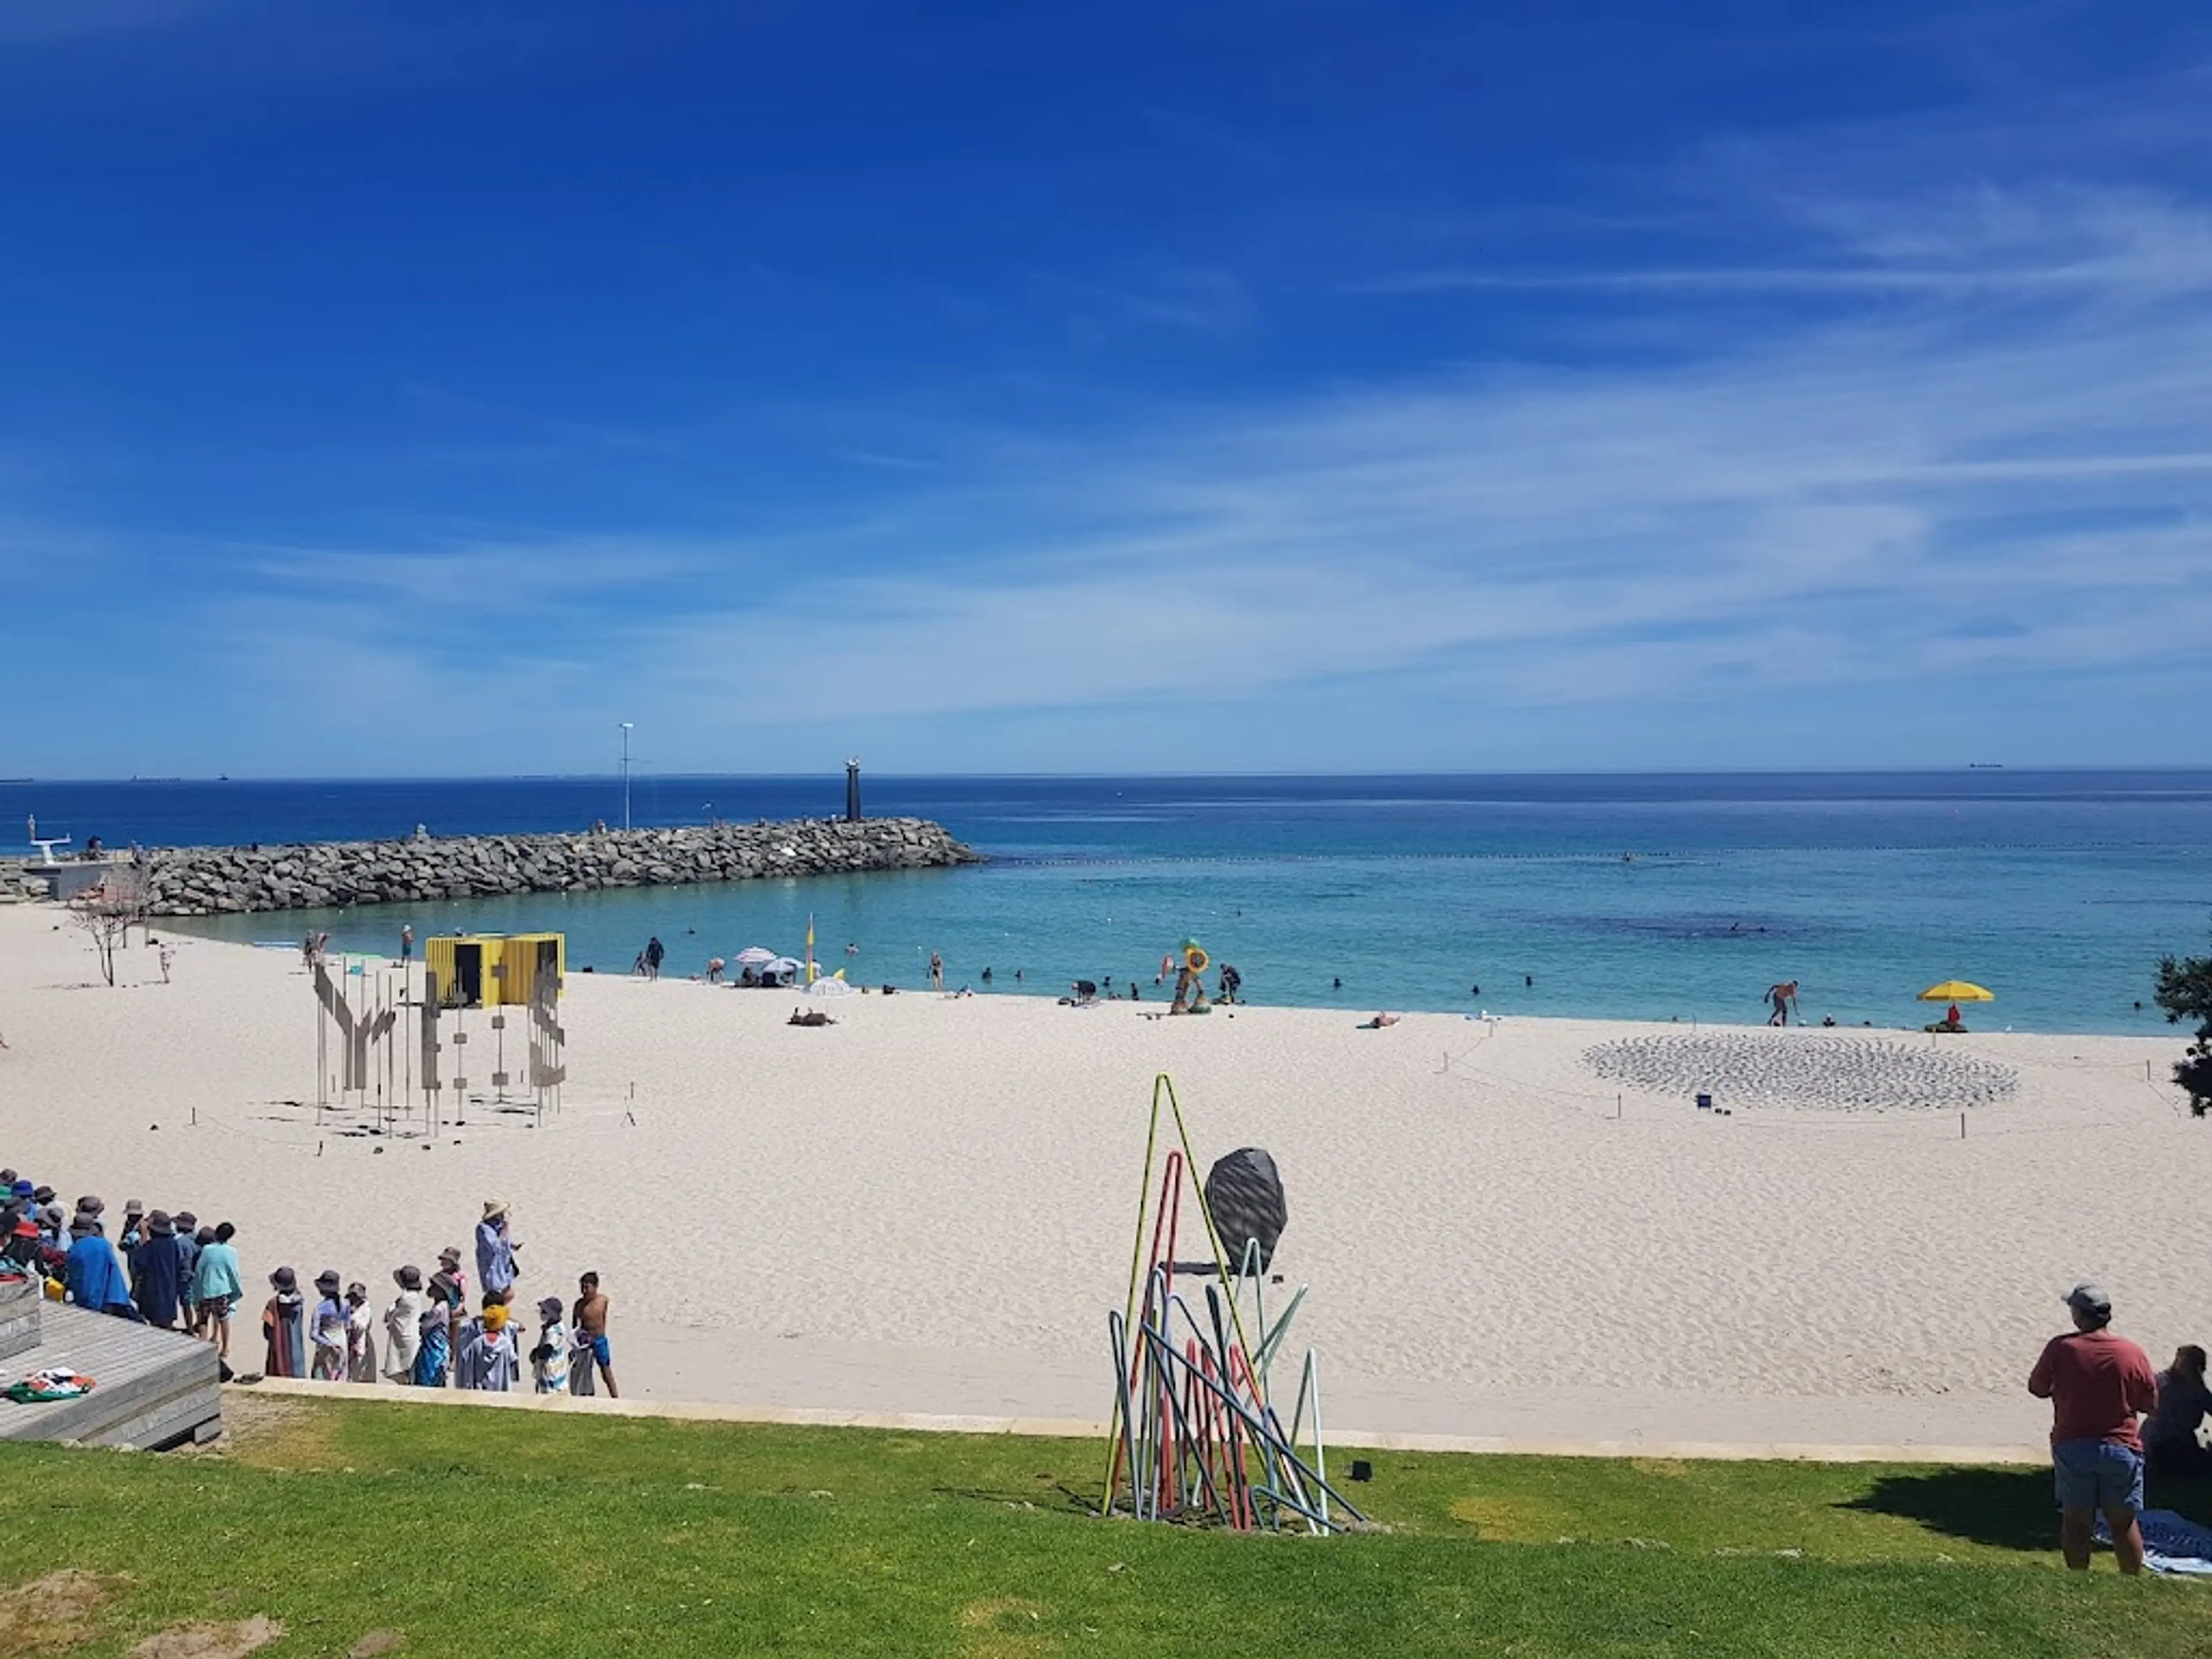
[449,1290]
[330,1327]
[360,1336]
[283,1327]
[402,1325]
[549,1360]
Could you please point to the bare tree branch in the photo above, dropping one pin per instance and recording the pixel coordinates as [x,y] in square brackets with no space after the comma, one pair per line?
[108,912]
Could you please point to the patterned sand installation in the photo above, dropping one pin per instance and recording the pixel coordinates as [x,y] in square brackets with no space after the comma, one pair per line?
[1826,1073]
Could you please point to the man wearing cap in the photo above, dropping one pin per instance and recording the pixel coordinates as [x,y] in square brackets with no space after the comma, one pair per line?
[494,1251]
[2096,1382]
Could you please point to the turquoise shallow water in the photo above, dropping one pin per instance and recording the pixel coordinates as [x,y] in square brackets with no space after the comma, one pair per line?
[1642,896]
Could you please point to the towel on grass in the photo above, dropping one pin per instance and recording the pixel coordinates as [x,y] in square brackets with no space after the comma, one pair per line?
[2172,1543]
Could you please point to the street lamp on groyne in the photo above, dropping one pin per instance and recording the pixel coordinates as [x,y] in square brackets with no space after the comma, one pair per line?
[626,726]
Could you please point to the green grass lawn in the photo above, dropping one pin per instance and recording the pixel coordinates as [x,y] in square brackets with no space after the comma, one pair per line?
[484,1533]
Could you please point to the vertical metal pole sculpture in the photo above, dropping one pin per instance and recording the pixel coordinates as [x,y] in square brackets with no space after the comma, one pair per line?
[548,1069]
[335,1009]
[431,1010]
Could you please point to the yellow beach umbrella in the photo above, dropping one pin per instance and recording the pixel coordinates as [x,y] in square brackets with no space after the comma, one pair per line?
[1957,990]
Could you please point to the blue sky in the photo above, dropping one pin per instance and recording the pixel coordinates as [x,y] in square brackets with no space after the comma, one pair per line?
[425,389]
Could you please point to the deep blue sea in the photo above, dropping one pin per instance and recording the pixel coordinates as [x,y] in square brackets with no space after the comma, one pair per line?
[1637,895]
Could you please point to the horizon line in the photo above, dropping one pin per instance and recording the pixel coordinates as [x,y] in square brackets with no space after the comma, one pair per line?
[636,776]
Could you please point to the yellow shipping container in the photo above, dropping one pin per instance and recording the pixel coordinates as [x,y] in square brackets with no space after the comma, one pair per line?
[487,970]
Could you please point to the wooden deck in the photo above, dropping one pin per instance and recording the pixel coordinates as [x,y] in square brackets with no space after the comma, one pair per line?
[152,1389]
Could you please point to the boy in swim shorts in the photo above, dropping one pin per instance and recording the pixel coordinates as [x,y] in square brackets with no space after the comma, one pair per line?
[590,1320]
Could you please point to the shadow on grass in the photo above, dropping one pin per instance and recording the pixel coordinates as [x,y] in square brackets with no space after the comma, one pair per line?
[1058,1498]
[2185,1494]
[2004,1508]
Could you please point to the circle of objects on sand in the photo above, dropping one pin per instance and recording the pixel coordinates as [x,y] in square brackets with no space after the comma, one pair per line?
[1837,1074]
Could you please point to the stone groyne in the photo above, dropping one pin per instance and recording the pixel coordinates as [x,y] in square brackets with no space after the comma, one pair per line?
[199,881]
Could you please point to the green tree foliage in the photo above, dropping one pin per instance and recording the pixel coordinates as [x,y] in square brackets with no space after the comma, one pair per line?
[2184,991]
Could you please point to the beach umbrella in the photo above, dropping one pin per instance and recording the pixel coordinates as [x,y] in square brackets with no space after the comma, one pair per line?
[755,956]
[1957,990]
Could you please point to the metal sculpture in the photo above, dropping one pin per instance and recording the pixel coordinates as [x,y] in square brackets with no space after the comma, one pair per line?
[549,1067]
[1245,1195]
[371,1028]
[1190,987]
[426,1013]
[1194,1436]
[358,1032]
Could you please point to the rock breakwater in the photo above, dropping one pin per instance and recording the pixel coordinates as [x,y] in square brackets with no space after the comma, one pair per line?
[199,881]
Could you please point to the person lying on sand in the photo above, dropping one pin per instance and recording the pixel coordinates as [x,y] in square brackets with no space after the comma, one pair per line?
[1377,1022]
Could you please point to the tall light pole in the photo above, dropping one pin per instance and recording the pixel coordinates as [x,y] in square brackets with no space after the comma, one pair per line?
[626,726]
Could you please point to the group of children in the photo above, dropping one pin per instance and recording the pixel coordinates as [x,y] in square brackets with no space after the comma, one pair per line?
[168,1271]
[431,1339]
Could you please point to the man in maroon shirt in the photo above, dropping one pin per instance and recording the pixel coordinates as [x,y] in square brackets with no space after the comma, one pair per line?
[2096,1382]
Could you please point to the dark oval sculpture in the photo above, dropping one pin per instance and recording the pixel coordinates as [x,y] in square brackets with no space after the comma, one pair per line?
[1245,1195]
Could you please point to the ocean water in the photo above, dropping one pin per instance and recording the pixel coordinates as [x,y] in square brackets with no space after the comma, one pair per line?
[1648,897]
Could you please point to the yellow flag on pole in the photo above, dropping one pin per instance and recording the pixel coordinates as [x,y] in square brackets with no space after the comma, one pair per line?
[811,970]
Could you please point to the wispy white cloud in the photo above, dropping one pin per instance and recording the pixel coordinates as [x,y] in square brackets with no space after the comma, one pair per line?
[1214,136]
[2044,242]
[1199,299]
[1854,503]
[1968,442]
[31,22]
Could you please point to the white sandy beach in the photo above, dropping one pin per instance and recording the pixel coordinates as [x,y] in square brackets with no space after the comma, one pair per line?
[928,1207]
